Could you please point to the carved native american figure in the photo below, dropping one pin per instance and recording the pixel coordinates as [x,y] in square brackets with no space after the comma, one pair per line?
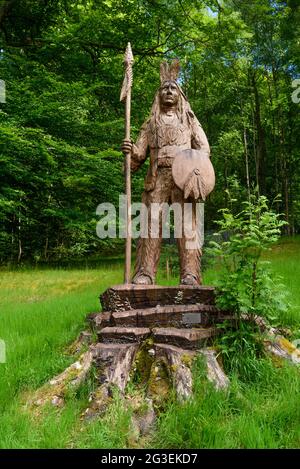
[177,173]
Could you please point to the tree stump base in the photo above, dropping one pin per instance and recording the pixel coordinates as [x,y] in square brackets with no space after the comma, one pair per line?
[152,334]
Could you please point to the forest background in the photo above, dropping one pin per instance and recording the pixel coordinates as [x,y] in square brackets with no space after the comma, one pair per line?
[61,122]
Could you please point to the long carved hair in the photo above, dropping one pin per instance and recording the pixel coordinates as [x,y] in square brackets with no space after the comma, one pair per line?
[183,111]
[169,73]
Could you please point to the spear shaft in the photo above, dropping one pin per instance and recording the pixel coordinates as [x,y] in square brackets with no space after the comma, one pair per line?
[128,193]
[126,95]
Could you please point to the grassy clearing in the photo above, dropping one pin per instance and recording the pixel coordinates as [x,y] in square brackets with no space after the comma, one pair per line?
[261,414]
[285,263]
[42,311]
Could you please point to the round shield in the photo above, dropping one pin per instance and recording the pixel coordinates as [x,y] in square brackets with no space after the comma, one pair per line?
[193,166]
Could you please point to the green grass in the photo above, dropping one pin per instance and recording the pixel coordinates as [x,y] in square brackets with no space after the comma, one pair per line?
[285,263]
[42,311]
[261,414]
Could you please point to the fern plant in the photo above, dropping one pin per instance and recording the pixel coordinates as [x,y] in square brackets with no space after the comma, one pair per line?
[245,285]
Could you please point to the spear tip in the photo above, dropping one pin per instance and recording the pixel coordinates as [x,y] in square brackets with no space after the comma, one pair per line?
[128,58]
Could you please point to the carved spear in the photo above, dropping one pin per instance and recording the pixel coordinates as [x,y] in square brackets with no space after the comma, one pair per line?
[126,96]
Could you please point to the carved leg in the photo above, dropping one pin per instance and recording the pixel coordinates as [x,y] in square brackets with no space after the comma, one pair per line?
[147,258]
[148,248]
[189,246]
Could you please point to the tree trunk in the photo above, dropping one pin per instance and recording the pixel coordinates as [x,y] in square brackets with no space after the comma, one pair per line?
[261,144]
[247,161]
[20,239]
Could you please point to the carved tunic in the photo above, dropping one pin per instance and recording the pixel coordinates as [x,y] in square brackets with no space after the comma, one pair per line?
[164,138]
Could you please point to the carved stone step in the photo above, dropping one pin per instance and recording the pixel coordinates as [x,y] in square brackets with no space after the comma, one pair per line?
[184,316]
[125,297]
[126,318]
[99,320]
[185,338]
[123,334]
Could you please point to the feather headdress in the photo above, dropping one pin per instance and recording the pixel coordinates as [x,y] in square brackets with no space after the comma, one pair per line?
[169,71]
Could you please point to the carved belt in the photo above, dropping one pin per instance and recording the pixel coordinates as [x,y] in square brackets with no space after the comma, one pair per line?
[165,162]
[167,154]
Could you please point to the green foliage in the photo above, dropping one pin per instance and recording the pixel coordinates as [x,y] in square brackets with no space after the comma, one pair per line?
[261,414]
[169,260]
[245,282]
[62,124]
[49,193]
[245,285]
[241,346]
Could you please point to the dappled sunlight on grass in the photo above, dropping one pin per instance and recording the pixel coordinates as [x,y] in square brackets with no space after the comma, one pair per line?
[38,285]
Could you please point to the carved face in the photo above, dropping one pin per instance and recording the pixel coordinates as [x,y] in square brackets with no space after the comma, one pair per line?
[169,93]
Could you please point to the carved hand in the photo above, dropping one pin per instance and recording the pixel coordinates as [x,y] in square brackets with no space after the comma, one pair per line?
[126,146]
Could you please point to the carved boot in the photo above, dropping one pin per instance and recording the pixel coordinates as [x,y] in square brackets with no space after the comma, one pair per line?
[189,279]
[142,279]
